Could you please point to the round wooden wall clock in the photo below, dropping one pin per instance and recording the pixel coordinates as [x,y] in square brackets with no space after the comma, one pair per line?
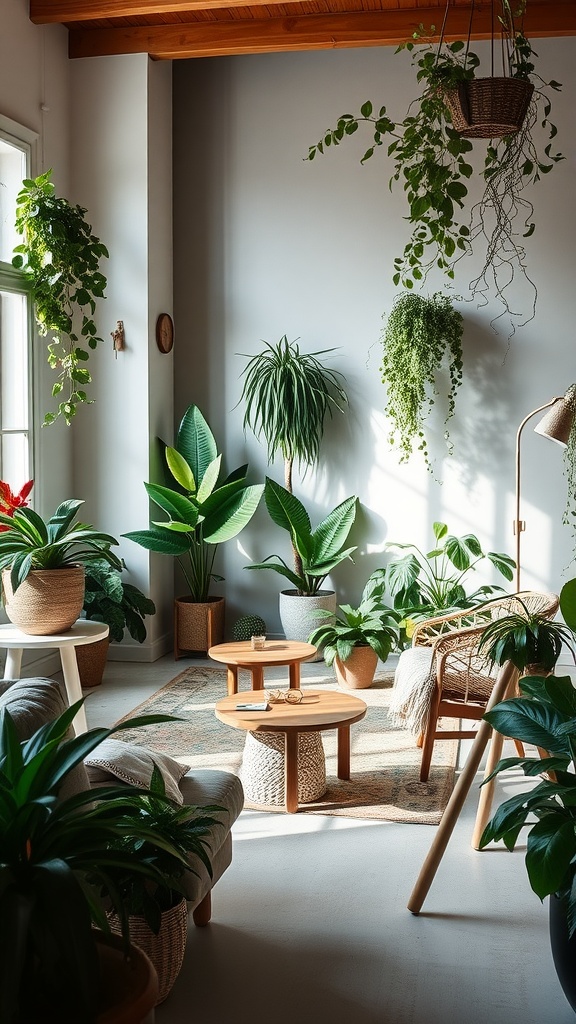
[165,332]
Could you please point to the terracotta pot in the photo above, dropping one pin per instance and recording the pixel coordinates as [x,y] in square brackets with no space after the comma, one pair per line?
[295,609]
[197,626]
[48,601]
[128,989]
[91,660]
[164,950]
[357,672]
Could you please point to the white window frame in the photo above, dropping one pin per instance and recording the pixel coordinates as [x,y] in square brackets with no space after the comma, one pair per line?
[11,280]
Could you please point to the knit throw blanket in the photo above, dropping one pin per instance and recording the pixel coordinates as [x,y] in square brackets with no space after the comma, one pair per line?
[414,682]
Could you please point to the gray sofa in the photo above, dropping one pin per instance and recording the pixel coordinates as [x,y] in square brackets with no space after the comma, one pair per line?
[35,701]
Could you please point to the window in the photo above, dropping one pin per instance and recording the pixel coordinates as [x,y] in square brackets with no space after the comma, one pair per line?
[16,454]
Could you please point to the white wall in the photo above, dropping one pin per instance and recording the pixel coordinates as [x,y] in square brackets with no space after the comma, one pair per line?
[268,244]
[121,113]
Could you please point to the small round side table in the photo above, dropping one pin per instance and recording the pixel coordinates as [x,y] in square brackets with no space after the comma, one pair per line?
[84,631]
[239,654]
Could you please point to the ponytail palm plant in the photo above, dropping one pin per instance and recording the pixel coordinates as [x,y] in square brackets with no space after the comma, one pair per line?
[288,394]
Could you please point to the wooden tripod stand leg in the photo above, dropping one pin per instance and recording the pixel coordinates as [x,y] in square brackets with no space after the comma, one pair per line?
[506,677]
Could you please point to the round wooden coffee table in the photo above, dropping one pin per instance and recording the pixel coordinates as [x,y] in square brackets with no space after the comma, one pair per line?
[319,710]
[275,652]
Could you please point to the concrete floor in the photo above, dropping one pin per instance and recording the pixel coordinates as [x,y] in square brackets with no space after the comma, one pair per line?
[310,924]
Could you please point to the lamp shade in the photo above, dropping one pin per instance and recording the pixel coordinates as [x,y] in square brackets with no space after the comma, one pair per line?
[557,422]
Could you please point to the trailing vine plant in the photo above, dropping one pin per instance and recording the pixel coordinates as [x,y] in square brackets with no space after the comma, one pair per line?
[420,332]
[431,161]
[60,257]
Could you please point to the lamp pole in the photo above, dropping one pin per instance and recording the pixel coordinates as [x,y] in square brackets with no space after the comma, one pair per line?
[519,525]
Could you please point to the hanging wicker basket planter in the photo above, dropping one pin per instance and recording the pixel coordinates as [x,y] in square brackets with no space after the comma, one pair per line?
[487,108]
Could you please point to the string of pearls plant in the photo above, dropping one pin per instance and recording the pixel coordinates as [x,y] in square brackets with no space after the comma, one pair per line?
[421,331]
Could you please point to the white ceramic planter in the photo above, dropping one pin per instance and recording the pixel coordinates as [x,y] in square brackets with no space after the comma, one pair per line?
[295,609]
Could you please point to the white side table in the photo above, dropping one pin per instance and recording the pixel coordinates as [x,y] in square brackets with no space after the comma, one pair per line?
[84,631]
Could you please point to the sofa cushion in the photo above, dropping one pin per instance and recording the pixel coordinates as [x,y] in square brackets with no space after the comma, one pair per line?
[33,703]
[134,765]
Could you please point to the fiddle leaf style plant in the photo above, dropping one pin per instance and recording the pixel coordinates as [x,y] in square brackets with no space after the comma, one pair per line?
[431,162]
[545,716]
[419,334]
[60,257]
[320,550]
[202,513]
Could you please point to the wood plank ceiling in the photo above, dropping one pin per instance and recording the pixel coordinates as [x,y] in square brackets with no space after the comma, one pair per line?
[172,29]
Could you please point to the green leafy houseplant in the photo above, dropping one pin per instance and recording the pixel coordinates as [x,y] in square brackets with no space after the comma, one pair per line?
[288,394]
[420,332]
[431,161]
[202,513]
[320,550]
[27,542]
[58,855]
[569,515]
[120,605]
[544,716]
[60,257]
[371,624]
[529,640]
[425,584]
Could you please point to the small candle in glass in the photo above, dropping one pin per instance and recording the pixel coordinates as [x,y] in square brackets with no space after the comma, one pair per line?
[258,643]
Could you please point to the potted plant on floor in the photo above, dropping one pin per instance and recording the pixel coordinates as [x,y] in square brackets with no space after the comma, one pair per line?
[156,911]
[530,640]
[431,149]
[42,563]
[202,514]
[544,715]
[58,854]
[60,258]
[420,332]
[426,584]
[358,637]
[122,606]
[319,551]
[288,396]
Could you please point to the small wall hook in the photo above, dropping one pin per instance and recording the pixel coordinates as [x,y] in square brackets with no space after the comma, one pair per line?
[118,338]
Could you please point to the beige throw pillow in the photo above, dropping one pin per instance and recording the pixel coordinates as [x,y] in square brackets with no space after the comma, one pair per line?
[134,765]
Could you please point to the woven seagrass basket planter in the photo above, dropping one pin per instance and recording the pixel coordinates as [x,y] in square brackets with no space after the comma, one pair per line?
[197,626]
[487,108]
[48,601]
[164,950]
[91,659]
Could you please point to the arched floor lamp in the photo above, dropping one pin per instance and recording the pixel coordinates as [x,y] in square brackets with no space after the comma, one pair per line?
[556,425]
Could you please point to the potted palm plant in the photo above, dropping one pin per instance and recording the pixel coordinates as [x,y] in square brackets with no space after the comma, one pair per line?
[358,637]
[42,563]
[530,640]
[201,514]
[122,606]
[319,552]
[59,856]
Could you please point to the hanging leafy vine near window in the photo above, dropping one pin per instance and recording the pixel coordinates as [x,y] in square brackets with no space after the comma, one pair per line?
[431,158]
[420,333]
[569,516]
[60,257]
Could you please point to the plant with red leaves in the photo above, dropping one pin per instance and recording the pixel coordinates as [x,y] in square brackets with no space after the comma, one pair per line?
[10,501]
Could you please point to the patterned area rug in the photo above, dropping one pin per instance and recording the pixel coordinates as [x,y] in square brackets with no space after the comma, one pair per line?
[384,763]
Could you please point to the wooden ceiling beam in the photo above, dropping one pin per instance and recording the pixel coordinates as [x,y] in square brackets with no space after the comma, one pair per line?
[49,12]
[312,32]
